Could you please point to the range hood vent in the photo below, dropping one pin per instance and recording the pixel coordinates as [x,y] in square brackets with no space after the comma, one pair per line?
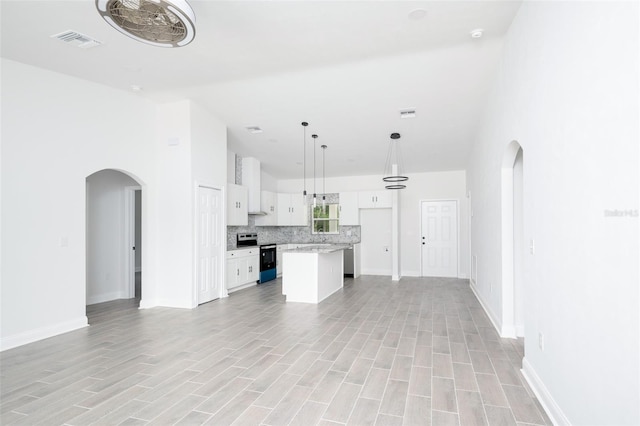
[251,179]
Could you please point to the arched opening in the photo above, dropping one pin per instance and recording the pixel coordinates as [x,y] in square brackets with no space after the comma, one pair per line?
[513,244]
[113,241]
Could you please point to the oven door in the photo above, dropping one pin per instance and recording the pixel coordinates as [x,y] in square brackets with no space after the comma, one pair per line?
[267,257]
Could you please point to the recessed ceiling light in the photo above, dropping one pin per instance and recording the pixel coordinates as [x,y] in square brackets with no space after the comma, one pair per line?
[477,33]
[136,88]
[417,14]
[253,129]
[273,140]
[408,113]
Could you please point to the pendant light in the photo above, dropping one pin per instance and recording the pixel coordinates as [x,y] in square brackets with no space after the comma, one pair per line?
[304,162]
[324,191]
[394,157]
[315,201]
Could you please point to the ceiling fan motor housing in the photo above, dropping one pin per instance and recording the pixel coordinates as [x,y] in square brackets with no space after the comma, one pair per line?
[162,23]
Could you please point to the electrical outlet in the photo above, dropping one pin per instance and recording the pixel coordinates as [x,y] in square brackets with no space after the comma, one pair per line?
[490,287]
[532,246]
[541,341]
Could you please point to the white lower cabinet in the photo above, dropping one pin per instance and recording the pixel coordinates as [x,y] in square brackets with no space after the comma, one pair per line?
[243,268]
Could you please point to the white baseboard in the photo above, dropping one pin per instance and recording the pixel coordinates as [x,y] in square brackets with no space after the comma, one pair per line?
[42,333]
[385,272]
[463,276]
[550,406]
[106,297]
[240,287]
[497,324]
[173,303]
[411,274]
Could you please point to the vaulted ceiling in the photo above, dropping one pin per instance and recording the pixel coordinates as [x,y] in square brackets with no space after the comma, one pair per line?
[346,67]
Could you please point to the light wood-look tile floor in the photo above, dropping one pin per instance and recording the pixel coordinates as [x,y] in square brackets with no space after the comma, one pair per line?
[418,352]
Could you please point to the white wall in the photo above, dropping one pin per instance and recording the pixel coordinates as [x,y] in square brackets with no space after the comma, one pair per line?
[55,132]
[567,91]
[106,267]
[449,185]
[48,151]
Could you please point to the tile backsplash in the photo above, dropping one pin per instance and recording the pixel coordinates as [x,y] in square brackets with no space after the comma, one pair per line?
[293,234]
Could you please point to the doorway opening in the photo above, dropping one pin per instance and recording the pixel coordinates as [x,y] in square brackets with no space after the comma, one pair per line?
[513,245]
[113,242]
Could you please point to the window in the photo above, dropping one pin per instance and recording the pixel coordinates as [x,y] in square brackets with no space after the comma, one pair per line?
[325,219]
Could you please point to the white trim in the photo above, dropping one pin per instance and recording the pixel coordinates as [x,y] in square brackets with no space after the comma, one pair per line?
[41,333]
[173,303]
[504,332]
[541,392]
[411,273]
[129,240]
[241,287]
[107,297]
[383,272]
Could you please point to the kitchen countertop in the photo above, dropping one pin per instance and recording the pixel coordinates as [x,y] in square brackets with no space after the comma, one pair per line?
[324,248]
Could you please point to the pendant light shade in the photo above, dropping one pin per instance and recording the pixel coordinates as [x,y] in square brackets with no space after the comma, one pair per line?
[394,180]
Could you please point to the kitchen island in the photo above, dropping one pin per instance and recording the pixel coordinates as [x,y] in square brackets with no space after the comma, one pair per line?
[311,274]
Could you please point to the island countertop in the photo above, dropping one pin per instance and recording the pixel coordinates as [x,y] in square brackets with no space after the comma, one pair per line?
[320,248]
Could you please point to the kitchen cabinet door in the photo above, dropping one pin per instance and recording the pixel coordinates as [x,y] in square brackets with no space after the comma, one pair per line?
[299,211]
[233,273]
[291,210]
[237,212]
[374,199]
[349,210]
[254,269]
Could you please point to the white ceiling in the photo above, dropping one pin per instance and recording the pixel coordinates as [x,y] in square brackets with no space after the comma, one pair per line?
[346,67]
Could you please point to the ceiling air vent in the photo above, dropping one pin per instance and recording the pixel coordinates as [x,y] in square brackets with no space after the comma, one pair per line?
[78,39]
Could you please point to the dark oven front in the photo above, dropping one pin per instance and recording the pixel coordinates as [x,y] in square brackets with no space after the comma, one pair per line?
[267,263]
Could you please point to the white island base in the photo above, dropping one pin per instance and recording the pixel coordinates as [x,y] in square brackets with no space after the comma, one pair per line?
[312,274]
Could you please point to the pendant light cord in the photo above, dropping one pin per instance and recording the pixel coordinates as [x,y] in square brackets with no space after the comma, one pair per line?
[304,158]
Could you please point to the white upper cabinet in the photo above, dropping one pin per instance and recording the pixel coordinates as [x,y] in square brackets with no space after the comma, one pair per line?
[269,205]
[237,213]
[375,199]
[291,210]
[349,214]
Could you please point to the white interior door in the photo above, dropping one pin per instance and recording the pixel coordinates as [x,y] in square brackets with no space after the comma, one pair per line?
[439,240]
[209,267]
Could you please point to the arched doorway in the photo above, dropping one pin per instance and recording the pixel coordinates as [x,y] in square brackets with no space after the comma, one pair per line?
[513,244]
[113,238]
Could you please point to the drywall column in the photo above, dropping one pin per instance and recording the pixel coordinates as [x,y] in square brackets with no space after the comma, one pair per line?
[395,230]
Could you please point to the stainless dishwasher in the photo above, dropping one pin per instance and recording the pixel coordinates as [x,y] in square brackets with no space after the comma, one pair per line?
[348,262]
